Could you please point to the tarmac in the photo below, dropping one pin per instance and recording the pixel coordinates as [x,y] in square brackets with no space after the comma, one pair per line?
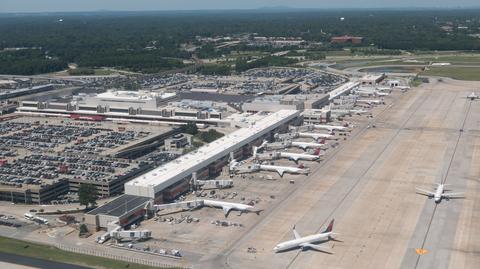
[428,135]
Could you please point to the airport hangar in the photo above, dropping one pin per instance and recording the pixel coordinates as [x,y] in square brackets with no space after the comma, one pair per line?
[172,179]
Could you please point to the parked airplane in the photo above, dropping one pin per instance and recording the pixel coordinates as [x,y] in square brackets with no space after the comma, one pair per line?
[285,169]
[194,204]
[227,207]
[316,136]
[370,101]
[439,193]
[306,145]
[308,241]
[330,128]
[348,111]
[288,155]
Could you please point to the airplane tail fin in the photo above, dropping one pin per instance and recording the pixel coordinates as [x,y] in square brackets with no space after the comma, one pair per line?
[330,227]
[317,152]
[255,152]
[322,141]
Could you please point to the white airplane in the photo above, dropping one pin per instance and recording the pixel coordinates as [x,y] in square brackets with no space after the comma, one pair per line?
[288,155]
[227,207]
[316,136]
[348,111]
[439,193]
[330,128]
[307,242]
[306,145]
[473,96]
[370,101]
[284,169]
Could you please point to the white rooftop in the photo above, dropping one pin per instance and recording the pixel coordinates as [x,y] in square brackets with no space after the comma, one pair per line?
[172,172]
[126,95]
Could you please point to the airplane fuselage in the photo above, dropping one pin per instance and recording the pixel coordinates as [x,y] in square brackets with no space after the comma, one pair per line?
[330,128]
[305,145]
[438,193]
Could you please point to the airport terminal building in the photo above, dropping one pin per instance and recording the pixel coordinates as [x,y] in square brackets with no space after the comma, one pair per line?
[168,181]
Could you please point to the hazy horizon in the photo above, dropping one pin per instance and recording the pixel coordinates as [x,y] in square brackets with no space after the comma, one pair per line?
[19,6]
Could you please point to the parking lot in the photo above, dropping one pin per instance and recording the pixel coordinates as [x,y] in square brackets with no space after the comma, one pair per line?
[38,153]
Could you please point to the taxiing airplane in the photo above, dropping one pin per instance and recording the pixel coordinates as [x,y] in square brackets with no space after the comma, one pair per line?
[473,96]
[440,194]
[307,242]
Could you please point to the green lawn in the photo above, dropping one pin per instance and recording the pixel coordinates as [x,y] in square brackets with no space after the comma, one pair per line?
[45,252]
[460,73]
[461,59]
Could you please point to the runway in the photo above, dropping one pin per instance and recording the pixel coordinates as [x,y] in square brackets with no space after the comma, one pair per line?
[368,186]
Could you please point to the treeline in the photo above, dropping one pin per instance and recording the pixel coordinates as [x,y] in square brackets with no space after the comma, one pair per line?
[28,62]
[150,41]
[244,64]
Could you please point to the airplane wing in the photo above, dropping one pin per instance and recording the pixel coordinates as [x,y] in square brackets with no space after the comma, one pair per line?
[424,192]
[226,210]
[316,247]
[280,172]
[295,233]
[295,159]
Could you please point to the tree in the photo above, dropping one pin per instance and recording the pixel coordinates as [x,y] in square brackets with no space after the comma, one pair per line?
[87,195]
[190,128]
[83,229]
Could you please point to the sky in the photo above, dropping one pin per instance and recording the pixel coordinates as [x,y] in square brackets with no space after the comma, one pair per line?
[140,5]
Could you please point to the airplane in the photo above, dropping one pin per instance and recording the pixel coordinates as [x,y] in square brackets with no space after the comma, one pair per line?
[330,128]
[306,145]
[307,242]
[370,101]
[439,193]
[348,111]
[284,169]
[288,155]
[473,96]
[228,206]
[316,136]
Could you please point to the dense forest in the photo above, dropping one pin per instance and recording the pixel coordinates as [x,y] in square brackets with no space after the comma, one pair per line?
[151,41]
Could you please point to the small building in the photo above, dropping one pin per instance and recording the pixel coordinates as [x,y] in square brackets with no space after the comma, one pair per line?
[393,83]
[372,79]
[124,210]
[178,141]
[346,39]
[316,116]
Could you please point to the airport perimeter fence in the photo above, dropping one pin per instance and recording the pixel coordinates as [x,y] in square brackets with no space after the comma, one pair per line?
[118,257]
